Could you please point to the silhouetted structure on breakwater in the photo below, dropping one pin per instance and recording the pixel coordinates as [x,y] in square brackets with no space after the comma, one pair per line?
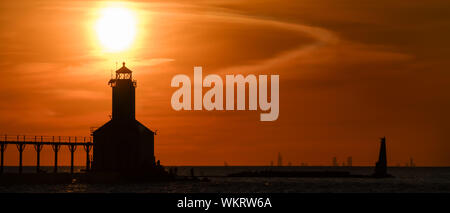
[381,165]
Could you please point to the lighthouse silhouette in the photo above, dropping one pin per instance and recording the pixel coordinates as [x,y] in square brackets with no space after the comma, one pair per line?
[381,164]
[123,144]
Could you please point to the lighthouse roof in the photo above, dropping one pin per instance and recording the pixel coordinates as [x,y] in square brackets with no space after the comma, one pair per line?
[123,69]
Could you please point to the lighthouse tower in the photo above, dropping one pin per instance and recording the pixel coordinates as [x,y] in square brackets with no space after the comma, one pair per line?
[123,144]
[381,164]
[123,94]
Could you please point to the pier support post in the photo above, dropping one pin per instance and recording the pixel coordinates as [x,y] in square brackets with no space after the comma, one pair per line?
[20,147]
[56,149]
[38,148]
[72,148]
[87,148]
[2,149]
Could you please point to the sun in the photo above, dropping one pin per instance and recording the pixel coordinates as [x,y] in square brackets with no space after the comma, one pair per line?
[116,28]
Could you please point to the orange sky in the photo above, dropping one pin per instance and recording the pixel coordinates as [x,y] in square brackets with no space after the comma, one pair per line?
[350,72]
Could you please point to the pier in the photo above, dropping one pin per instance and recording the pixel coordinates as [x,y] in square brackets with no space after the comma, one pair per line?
[38,142]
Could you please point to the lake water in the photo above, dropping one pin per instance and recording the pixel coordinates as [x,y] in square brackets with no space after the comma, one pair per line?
[407,179]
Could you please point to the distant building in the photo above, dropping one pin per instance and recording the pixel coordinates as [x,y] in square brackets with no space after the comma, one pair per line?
[411,162]
[335,163]
[280,160]
[349,161]
[123,144]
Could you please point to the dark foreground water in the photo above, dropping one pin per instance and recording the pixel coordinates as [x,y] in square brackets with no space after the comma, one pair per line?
[418,179]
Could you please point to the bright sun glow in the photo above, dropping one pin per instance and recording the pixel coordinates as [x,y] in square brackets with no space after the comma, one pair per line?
[116,28]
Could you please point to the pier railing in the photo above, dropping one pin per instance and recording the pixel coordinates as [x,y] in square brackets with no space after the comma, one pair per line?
[21,141]
[28,139]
